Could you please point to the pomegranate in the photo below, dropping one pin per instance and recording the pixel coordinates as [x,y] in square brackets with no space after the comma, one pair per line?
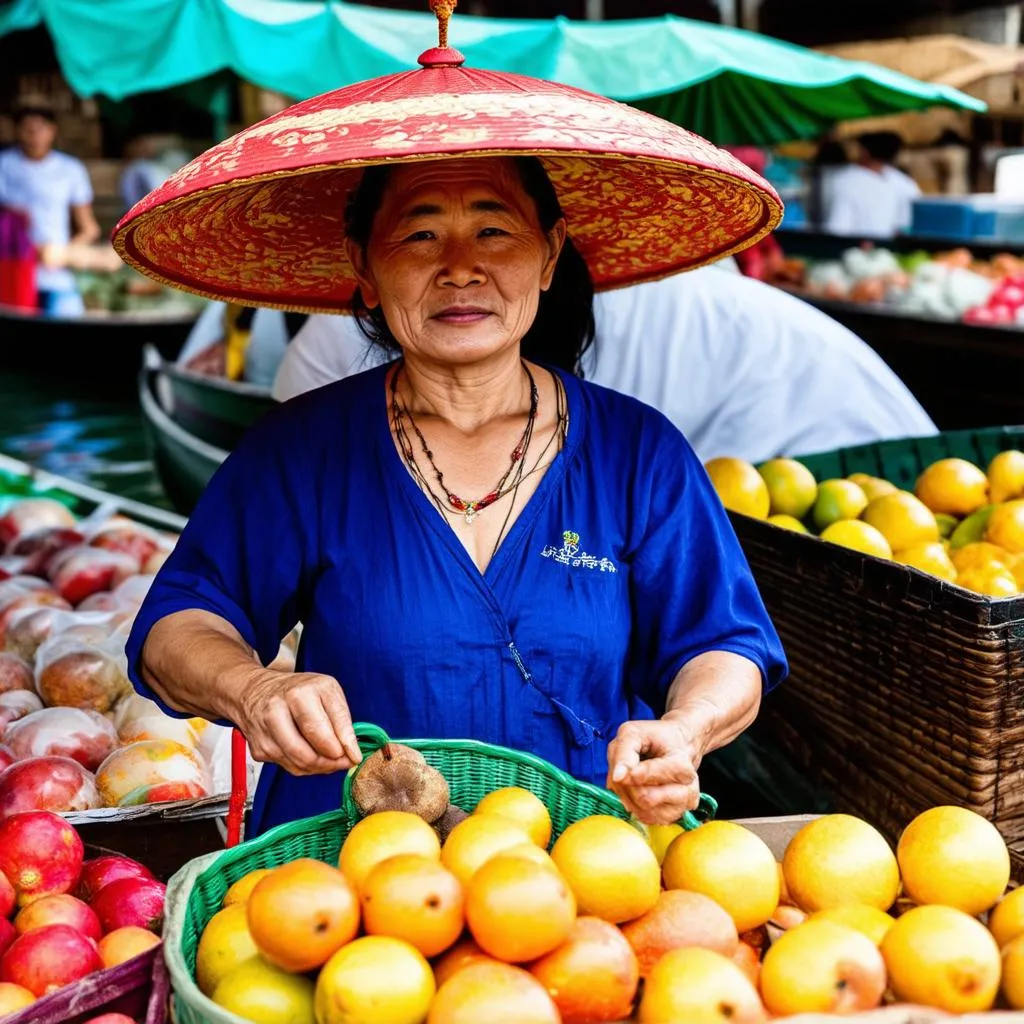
[101,871]
[38,548]
[84,736]
[15,673]
[81,571]
[31,514]
[8,897]
[7,757]
[49,958]
[60,908]
[133,540]
[8,933]
[17,704]
[40,853]
[131,901]
[47,784]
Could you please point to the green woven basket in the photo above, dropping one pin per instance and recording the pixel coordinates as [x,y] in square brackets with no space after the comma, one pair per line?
[473,769]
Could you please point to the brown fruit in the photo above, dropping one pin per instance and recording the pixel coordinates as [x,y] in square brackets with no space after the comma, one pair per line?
[398,778]
[680,919]
[451,817]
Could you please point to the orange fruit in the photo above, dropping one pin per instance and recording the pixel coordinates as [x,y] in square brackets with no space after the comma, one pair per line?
[531,852]
[476,840]
[522,808]
[930,557]
[462,954]
[791,487]
[225,943]
[942,957]
[995,582]
[837,500]
[1013,972]
[493,993]
[302,913]
[955,487]
[980,555]
[872,486]
[729,864]
[1006,526]
[517,910]
[611,870]
[416,899]
[13,998]
[385,834]
[242,889]
[852,533]
[739,486]
[838,859]
[902,519]
[680,919]
[372,980]
[1006,477]
[124,944]
[593,976]
[700,986]
[1006,921]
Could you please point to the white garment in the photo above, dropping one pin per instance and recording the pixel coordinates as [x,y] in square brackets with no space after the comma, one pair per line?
[870,204]
[741,368]
[45,190]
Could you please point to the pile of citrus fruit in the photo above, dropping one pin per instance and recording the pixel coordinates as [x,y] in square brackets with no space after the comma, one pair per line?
[961,523]
[614,922]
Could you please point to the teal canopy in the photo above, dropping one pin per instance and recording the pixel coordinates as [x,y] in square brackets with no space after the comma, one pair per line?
[726,84]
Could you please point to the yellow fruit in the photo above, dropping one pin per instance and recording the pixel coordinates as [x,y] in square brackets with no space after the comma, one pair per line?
[980,555]
[902,519]
[739,486]
[869,921]
[852,533]
[611,870]
[242,889]
[385,834]
[1018,571]
[372,980]
[822,967]
[791,487]
[660,838]
[788,523]
[224,944]
[1006,921]
[531,852]
[994,582]
[972,529]
[837,500]
[872,486]
[951,855]
[929,557]
[13,998]
[698,986]
[493,993]
[522,808]
[1013,972]
[839,859]
[476,840]
[947,524]
[942,957]
[1006,526]
[955,487]
[1006,477]
[259,992]
[731,865]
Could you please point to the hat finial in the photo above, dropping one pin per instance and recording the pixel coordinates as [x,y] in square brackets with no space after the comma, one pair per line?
[442,55]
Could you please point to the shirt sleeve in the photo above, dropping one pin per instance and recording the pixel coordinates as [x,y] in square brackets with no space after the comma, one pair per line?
[692,589]
[81,185]
[248,550]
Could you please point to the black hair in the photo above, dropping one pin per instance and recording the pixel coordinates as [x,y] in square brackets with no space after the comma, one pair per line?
[34,110]
[881,146]
[564,326]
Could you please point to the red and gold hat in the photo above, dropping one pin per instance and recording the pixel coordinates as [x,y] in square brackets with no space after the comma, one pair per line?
[258,219]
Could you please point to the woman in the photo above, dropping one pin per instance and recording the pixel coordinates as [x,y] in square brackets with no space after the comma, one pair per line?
[477,543]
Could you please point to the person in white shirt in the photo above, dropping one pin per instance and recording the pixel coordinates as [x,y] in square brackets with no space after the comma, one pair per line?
[740,367]
[872,198]
[54,191]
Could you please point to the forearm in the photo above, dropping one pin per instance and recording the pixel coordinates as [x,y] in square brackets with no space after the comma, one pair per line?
[717,695]
[197,663]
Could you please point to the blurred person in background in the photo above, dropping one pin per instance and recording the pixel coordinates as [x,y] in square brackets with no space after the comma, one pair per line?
[53,190]
[151,160]
[871,198]
[740,367]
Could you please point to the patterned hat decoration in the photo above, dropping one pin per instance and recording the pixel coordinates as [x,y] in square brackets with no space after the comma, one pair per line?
[258,219]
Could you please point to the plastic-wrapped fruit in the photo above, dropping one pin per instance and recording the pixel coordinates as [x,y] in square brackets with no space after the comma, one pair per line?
[160,727]
[29,599]
[17,704]
[135,541]
[71,673]
[81,571]
[47,784]
[39,548]
[84,736]
[31,514]
[152,771]
[7,758]
[15,673]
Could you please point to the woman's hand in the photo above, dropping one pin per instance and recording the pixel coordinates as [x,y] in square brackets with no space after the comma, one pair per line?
[652,767]
[299,720]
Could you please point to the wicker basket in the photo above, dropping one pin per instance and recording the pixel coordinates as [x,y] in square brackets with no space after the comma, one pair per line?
[905,691]
[472,769]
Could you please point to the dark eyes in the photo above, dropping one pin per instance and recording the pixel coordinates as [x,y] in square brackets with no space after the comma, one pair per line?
[429,236]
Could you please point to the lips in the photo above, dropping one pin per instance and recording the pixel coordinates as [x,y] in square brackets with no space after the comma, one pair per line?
[462,314]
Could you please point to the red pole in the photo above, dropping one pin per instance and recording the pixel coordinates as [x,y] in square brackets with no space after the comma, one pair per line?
[239,788]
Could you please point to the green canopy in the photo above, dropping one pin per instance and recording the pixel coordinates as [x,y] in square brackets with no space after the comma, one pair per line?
[726,84]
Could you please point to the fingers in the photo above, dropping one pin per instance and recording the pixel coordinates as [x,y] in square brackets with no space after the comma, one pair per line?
[661,771]
[338,714]
[625,751]
[297,755]
[664,805]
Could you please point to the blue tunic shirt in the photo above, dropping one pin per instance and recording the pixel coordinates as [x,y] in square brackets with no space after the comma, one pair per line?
[622,567]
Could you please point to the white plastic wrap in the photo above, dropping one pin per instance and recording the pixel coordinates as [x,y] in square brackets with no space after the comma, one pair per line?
[17,704]
[84,736]
[15,673]
[152,771]
[79,572]
[30,514]
[73,672]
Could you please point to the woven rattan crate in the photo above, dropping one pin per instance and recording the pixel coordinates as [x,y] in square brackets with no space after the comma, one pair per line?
[905,691]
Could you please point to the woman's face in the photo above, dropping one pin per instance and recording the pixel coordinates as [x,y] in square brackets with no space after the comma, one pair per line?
[457,259]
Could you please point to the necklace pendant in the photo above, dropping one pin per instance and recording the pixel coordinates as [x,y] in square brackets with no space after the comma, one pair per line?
[470,515]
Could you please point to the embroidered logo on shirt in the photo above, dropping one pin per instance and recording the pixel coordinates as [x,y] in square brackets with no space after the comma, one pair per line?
[569,554]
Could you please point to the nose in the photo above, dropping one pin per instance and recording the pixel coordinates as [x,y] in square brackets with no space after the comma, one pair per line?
[459,265]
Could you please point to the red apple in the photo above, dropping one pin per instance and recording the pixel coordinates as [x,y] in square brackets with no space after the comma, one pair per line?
[8,933]
[7,757]
[31,514]
[15,673]
[8,897]
[61,908]
[47,784]
[40,853]
[84,736]
[131,901]
[17,704]
[132,540]
[101,871]
[49,958]
[81,571]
